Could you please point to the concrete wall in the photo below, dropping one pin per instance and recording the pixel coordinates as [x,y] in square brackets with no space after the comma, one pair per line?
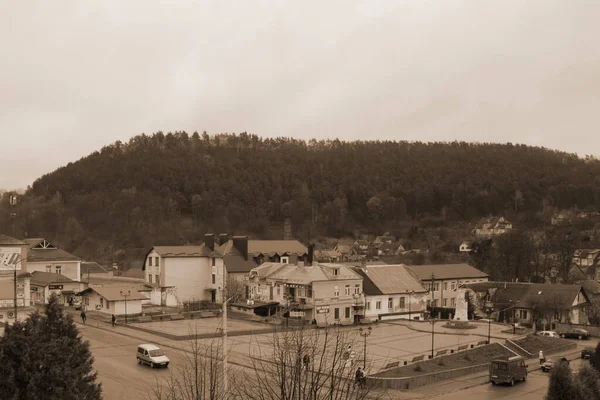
[445,290]
[94,302]
[70,269]
[417,306]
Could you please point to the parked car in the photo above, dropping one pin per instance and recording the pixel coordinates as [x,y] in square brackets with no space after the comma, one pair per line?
[576,333]
[548,334]
[152,355]
[549,364]
[587,353]
[508,371]
[77,304]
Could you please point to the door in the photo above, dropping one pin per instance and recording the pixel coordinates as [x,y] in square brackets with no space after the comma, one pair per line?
[270,292]
[213,296]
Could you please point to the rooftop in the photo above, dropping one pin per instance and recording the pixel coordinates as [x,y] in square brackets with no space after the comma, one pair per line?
[113,292]
[389,279]
[447,271]
[39,278]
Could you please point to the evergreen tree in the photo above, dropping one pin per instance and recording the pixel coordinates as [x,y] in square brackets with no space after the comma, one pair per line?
[44,357]
[562,385]
[589,382]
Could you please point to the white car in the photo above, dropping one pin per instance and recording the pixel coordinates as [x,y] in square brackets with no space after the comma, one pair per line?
[152,355]
[548,334]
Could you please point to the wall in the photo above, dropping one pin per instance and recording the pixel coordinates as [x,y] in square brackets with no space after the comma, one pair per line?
[114,307]
[323,296]
[417,306]
[193,276]
[445,290]
[70,269]
[154,270]
[21,266]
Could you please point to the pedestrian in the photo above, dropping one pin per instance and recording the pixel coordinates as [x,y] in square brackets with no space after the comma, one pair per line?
[306,361]
[114,319]
[359,378]
[83,317]
[542,359]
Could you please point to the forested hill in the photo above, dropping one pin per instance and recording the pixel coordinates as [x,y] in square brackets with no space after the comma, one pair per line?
[172,188]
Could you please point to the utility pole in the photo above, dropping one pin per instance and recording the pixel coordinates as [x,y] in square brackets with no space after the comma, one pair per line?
[432,290]
[125,295]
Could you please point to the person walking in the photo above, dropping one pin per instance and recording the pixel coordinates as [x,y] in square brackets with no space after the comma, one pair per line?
[542,359]
[113,319]
[359,378]
[83,317]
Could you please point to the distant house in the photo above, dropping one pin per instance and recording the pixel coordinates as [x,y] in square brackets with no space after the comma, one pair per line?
[113,299]
[93,269]
[361,247]
[44,256]
[386,249]
[44,284]
[383,239]
[466,246]
[325,293]
[327,256]
[392,292]
[492,226]
[443,281]
[400,250]
[586,257]
[346,251]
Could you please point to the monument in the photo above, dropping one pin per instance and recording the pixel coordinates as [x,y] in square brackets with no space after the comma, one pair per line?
[462,306]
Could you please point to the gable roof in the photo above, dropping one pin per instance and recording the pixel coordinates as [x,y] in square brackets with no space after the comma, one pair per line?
[591,286]
[39,278]
[389,279]
[303,275]
[42,250]
[183,251]
[7,240]
[92,267]
[537,295]
[113,292]
[447,271]
[237,264]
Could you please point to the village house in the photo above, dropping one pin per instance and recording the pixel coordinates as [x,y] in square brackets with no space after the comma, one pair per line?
[13,262]
[386,249]
[392,292]
[321,293]
[492,226]
[345,248]
[327,256]
[442,282]
[113,299]
[44,284]
[539,304]
[466,247]
[44,256]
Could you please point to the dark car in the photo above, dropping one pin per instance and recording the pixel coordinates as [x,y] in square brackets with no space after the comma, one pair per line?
[575,333]
[587,353]
[549,364]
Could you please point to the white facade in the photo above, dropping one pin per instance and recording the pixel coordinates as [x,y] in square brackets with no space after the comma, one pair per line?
[195,278]
[70,269]
[396,306]
[94,302]
[445,291]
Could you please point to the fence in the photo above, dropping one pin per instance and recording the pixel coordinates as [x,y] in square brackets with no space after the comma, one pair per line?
[593,330]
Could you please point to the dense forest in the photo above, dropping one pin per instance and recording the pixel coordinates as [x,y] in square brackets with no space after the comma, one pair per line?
[172,188]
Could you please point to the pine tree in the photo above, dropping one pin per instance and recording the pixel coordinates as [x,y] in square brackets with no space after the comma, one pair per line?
[44,357]
[562,385]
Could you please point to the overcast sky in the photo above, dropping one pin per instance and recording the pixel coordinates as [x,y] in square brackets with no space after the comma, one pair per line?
[78,75]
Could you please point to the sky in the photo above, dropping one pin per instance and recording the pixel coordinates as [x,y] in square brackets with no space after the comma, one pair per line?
[78,75]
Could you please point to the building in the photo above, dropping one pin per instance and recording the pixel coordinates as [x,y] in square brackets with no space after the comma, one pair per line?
[92,270]
[43,256]
[466,246]
[492,226]
[443,282]
[113,299]
[13,263]
[540,303]
[44,284]
[392,292]
[322,293]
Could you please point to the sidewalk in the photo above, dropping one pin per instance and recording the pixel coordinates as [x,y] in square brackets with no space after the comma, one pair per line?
[480,330]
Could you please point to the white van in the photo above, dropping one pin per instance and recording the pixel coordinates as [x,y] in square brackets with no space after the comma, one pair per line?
[151,355]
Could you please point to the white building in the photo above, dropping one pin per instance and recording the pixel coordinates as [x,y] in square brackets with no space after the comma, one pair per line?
[392,292]
[43,256]
[113,299]
[44,284]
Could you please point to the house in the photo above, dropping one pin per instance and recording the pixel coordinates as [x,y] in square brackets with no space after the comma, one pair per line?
[466,246]
[386,249]
[443,282]
[383,239]
[44,284]
[492,226]
[323,293]
[591,287]
[46,257]
[346,250]
[113,299]
[93,269]
[400,250]
[327,256]
[392,292]
[13,263]
[562,218]
[586,257]
[540,303]
[361,247]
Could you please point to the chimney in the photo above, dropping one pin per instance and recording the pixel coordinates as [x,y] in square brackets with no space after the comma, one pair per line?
[223,238]
[209,241]
[311,254]
[241,245]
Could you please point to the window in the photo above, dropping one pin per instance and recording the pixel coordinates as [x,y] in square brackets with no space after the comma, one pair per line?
[156,261]
[390,303]
[214,278]
[336,271]
[87,301]
[445,285]
[445,303]
[285,260]
[309,292]
[523,314]
[278,290]
[368,305]
[378,305]
[453,286]
[150,278]
[336,313]
[107,305]
[157,279]
[453,302]
[336,291]
[356,289]
[214,261]
[437,287]
[48,268]
[59,269]
[149,261]
[402,303]
[347,312]
[347,290]
[101,302]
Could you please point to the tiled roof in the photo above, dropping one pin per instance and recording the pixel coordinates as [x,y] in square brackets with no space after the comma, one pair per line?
[7,240]
[270,247]
[536,294]
[39,278]
[304,275]
[49,254]
[590,286]
[391,279]
[113,292]
[92,268]
[238,264]
[183,251]
[447,271]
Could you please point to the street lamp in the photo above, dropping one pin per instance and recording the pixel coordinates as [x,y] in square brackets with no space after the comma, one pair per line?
[489,309]
[432,321]
[365,333]
[432,294]
[125,295]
